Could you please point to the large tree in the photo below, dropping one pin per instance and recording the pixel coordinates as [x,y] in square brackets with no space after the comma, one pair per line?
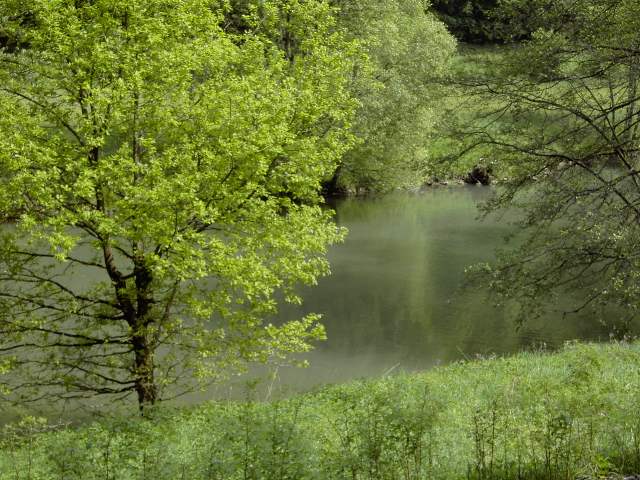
[407,48]
[159,182]
[560,115]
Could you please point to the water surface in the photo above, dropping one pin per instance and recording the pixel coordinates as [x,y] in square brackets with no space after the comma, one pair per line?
[394,302]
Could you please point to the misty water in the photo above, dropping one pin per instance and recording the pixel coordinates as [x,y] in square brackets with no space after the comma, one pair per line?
[394,300]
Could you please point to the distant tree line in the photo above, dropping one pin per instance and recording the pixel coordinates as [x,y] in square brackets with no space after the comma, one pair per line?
[468,20]
[491,21]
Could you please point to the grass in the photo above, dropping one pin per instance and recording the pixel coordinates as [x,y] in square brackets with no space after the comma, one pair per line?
[567,415]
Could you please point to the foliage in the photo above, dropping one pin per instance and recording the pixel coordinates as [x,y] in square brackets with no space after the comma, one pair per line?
[452,152]
[470,21]
[486,22]
[571,414]
[560,115]
[407,49]
[163,177]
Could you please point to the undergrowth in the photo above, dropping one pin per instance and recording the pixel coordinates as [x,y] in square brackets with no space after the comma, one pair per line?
[567,415]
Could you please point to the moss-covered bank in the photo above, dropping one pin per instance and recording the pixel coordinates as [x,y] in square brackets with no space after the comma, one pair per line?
[565,415]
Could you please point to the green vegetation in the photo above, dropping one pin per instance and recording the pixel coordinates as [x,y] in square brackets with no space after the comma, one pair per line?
[567,415]
[180,164]
[177,150]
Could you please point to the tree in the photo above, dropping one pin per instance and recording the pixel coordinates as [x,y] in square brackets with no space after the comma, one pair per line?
[561,116]
[407,48]
[162,176]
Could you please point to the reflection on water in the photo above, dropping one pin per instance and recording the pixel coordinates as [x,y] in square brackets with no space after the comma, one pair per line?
[393,301]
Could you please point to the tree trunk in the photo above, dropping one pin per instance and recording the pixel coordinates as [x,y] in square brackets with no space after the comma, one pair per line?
[145,384]
[138,317]
[143,346]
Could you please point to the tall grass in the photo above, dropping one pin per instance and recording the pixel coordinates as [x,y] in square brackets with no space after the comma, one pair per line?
[572,414]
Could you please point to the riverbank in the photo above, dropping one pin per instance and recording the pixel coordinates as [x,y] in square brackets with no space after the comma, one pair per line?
[435,182]
[571,414]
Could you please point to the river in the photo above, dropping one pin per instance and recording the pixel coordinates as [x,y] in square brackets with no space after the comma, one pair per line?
[394,300]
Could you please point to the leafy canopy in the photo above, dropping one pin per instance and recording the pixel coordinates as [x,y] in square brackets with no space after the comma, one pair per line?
[162,177]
